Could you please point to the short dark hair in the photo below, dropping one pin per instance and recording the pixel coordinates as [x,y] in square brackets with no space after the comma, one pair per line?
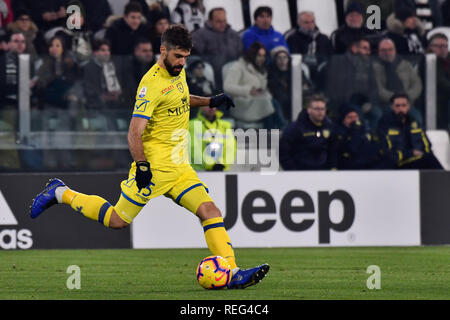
[399,95]
[211,12]
[141,41]
[260,10]
[315,97]
[252,52]
[96,44]
[132,6]
[177,36]
[438,36]
[10,34]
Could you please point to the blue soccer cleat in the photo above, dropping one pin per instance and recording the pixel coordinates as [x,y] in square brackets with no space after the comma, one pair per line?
[246,278]
[46,198]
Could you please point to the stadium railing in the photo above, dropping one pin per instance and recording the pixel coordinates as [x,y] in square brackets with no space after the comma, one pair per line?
[93,135]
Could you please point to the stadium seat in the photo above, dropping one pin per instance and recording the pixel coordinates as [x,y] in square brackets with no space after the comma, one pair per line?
[281,20]
[232,7]
[440,144]
[444,30]
[172,4]
[325,12]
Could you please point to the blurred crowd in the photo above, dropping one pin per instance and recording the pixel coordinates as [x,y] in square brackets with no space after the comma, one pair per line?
[81,66]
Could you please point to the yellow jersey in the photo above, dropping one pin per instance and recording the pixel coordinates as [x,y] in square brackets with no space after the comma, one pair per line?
[164,101]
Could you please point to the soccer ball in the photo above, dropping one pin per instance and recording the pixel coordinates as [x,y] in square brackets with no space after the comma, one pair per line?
[214,272]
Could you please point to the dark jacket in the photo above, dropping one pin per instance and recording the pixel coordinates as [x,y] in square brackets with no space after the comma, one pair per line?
[305,146]
[443,92]
[344,36]
[299,42]
[349,76]
[357,148]
[123,38]
[399,138]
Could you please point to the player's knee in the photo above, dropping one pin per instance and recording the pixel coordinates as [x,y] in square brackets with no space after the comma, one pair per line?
[117,222]
[208,210]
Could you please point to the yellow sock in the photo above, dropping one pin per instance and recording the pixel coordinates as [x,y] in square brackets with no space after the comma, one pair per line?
[218,241]
[92,207]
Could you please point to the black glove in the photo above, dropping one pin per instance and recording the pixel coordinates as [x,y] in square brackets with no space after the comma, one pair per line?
[223,98]
[143,174]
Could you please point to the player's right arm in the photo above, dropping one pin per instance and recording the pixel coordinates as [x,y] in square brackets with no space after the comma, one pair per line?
[137,127]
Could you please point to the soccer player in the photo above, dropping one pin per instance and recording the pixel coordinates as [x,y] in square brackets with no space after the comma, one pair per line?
[158,142]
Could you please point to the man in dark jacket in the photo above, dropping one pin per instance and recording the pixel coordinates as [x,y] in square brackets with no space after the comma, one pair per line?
[353,29]
[403,141]
[438,44]
[310,142]
[307,40]
[217,43]
[358,148]
[125,32]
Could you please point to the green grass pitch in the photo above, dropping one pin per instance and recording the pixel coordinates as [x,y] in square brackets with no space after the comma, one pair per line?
[296,273]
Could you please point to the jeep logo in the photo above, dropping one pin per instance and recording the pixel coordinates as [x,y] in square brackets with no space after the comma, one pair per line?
[287,209]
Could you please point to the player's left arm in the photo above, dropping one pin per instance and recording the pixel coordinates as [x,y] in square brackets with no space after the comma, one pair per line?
[143,173]
[213,102]
[197,101]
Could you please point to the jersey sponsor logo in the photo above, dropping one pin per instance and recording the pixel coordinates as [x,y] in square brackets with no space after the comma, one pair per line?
[141,105]
[142,92]
[180,87]
[178,111]
[167,90]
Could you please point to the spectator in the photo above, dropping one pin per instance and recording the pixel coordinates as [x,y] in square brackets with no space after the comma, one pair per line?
[198,83]
[394,74]
[124,32]
[9,87]
[357,148]
[77,40]
[309,143]
[96,13]
[350,79]
[407,31]
[161,23]
[403,140]
[57,75]
[279,79]
[217,43]
[352,30]
[246,81]
[191,13]
[152,9]
[9,71]
[6,13]
[135,67]
[438,44]
[46,14]
[213,145]
[307,40]
[23,23]
[263,31]
[101,84]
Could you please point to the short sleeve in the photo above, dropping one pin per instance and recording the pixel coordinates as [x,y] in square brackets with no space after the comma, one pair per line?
[147,99]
